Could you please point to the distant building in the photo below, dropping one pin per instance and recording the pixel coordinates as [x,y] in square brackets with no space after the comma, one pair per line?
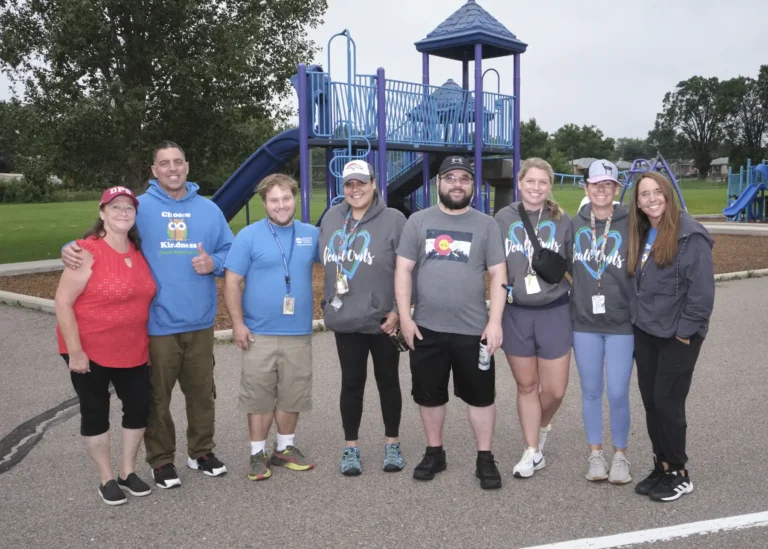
[718,168]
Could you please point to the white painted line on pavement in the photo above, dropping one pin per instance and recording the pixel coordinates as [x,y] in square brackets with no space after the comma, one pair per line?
[664,534]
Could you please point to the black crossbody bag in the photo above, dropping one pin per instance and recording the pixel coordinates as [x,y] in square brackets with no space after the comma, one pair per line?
[549,265]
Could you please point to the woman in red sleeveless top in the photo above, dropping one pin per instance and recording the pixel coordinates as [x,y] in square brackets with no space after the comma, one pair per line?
[102,310]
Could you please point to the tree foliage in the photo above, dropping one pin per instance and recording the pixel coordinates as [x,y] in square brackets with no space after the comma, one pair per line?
[697,110]
[585,141]
[631,148]
[110,78]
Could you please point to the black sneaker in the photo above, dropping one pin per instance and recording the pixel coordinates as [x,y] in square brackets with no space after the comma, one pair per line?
[432,463]
[647,484]
[208,464]
[134,485]
[487,472]
[112,494]
[672,486]
[165,476]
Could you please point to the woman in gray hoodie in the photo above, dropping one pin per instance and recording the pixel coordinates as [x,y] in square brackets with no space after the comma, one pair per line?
[357,244]
[602,331]
[537,326]
[670,258]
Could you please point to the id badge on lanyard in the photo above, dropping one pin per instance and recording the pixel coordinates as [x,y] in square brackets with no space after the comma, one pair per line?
[598,301]
[342,282]
[289,302]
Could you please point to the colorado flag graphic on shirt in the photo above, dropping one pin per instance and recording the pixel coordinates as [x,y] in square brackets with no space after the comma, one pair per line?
[448,245]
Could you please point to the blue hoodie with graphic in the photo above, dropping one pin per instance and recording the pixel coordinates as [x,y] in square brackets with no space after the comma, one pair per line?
[170,231]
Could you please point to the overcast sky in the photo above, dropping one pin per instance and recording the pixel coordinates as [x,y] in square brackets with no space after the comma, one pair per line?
[601,62]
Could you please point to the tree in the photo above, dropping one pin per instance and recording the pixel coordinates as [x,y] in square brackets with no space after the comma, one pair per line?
[534,141]
[111,78]
[746,115]
[666,141]
[631,148]
[584,141]
[696,109]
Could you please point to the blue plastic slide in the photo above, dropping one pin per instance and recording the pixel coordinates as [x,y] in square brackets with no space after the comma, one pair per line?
[746,198]
[268,159]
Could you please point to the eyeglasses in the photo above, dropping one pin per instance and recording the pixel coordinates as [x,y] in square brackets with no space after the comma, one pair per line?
[114,208]
[464,180]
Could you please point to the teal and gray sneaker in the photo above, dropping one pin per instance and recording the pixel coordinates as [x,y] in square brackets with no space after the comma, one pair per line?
[350,462]
[393,458]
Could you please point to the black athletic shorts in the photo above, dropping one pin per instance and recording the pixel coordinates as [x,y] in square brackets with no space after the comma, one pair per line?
[432,361]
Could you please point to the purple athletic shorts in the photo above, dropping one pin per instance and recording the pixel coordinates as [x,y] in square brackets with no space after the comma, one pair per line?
[544,332]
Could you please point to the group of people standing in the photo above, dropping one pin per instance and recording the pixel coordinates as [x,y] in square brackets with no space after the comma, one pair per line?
[137,303]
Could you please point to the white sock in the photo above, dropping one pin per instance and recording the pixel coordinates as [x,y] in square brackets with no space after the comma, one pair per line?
[284,440]
[257,447]
[537,456]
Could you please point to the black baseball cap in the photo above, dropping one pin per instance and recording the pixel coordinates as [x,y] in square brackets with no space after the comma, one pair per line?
[456,163]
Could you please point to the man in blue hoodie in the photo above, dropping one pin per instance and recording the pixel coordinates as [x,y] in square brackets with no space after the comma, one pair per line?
[185,240]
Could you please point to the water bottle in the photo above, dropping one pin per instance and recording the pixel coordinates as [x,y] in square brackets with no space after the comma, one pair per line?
[484,360]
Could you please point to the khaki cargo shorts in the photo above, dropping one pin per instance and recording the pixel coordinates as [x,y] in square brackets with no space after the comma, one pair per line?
[276,374]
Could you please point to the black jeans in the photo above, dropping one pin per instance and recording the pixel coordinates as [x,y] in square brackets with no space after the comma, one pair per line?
[664,373]
[353,355]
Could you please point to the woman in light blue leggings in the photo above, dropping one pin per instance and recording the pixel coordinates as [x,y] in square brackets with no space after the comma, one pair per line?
[602,330]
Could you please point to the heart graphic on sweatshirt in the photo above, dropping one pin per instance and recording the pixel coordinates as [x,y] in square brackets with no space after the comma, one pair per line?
[546,228]
[337,246]
[585,235]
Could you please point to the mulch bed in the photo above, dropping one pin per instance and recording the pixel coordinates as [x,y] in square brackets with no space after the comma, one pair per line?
[731,253]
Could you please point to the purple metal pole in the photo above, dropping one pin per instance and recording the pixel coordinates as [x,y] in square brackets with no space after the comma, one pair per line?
[478,123]
[464,126]
[330,181]
[425,157]
[304,144]
[382,133]
[516,126]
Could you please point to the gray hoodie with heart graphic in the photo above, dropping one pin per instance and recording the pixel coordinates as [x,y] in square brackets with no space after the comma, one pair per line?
[554,234]
[615,285]
[368,262]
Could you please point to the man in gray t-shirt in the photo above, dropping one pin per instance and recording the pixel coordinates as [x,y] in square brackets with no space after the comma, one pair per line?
[451,246]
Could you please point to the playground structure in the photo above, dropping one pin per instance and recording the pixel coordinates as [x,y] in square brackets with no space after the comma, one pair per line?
[403,129]
[747,200]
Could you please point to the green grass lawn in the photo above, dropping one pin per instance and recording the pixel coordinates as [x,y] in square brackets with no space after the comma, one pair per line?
[30,232]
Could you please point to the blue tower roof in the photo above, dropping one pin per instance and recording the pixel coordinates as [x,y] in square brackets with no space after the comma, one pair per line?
[455,38]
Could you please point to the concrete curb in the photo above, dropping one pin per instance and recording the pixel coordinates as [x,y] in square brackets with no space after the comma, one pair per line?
[31,267]
[318,325]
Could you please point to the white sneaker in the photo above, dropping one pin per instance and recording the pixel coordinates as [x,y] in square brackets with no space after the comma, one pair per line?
[530,462]
[543,432]
[619,469]
[598,468]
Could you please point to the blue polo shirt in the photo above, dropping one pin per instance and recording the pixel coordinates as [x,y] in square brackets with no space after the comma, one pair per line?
[256,256]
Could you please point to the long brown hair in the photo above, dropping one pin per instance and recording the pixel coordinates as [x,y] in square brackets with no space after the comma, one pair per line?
[665,246]
[554,209]
[98,231]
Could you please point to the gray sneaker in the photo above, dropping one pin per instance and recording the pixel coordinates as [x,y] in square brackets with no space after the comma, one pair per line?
[598,468]
[619,469]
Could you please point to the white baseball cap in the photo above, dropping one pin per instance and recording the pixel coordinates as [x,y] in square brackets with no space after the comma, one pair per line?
[603,170]
[357,169]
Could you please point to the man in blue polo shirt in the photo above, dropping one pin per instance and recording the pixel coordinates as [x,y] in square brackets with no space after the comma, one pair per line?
[272,323]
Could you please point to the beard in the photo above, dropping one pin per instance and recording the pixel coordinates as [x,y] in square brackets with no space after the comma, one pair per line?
[275,221]
[449,202]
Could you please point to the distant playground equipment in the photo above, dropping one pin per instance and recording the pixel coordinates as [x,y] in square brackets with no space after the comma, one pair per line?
[747,200]
[404,129]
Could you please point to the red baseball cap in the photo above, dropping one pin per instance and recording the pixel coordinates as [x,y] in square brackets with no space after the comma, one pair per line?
[113,192]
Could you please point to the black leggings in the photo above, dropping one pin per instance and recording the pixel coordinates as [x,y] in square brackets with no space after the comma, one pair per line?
[132,388]
[664,373]
[353,355]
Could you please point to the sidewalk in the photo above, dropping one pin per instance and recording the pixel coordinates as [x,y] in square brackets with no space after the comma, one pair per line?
[30,267]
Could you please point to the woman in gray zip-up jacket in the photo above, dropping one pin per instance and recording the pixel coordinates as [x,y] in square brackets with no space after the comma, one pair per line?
[670,258]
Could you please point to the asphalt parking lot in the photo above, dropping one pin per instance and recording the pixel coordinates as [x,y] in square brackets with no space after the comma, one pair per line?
[49,499]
